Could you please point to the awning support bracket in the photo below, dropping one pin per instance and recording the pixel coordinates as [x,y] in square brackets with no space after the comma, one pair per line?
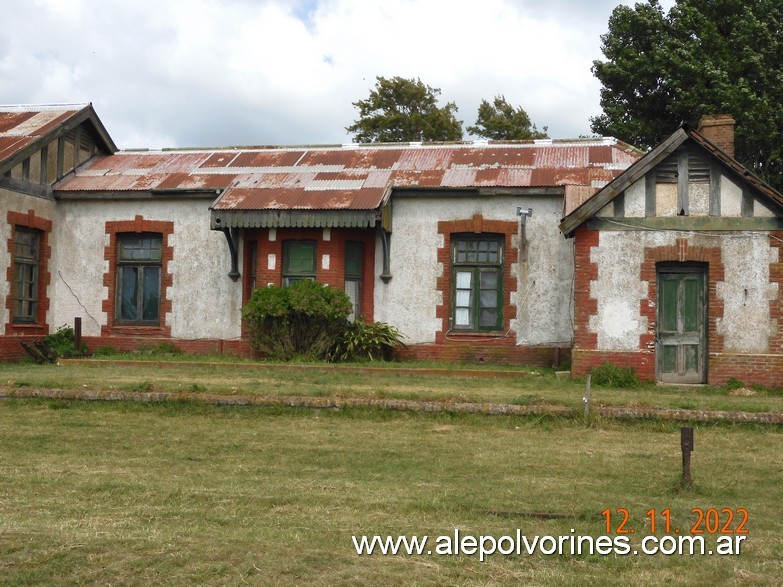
[386,245]
[232,236]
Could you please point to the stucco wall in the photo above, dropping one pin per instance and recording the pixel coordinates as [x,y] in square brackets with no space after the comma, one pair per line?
[16,202]
[409,300]
[205,302]
[746,290]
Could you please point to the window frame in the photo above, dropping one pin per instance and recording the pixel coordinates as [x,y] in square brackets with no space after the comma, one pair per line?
[26,277]
[139,264]
[291,276]
[477,264]
[354,249]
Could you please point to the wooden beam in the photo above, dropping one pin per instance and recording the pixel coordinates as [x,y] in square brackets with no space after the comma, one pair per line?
[60,156]
[715,188]
[682,182]
[26,187]
[688,223]
[44,177]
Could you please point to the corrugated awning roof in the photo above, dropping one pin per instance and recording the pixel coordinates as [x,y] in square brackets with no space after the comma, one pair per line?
[355,177]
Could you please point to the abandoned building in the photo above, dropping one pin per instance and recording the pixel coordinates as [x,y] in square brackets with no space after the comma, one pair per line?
[532,253]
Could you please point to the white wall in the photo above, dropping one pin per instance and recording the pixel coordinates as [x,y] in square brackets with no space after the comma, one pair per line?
[409,300]
[205,302]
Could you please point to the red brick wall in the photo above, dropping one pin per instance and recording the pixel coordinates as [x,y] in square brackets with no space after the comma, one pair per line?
[137,225]
[41,327]
[461,351]
[334,247]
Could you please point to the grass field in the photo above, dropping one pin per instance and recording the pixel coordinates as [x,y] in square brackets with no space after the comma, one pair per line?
[531,386]
[179,494]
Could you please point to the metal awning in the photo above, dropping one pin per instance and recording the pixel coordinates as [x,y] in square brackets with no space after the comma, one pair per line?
[221,219]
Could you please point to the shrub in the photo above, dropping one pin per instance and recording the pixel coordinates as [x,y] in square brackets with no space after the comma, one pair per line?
[63,343]
[305,320]
[367,340]
[610,375]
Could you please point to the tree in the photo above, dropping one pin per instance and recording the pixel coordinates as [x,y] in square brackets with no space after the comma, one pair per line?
[401,109]
[703,57]
[501,121]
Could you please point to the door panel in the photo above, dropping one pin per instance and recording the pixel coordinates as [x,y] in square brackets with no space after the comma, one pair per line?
[682,344]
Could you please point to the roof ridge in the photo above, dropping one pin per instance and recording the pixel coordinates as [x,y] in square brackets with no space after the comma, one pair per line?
[43,107]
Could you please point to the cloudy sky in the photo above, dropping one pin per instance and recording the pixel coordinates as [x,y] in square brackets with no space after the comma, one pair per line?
[178,73]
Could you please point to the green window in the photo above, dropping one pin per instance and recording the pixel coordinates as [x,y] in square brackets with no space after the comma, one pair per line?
[298,261]
[26,250]
[138,279]
[477,282]
[354,258]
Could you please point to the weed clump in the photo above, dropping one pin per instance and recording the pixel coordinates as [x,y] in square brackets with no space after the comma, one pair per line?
[611,375]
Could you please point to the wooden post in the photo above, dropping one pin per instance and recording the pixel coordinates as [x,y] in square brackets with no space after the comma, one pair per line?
[686,443]
[77,333]
[586,400]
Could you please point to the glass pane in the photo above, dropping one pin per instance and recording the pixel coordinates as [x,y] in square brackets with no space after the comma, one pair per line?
[144,247]
[26,243]
[464,279]
[463,298]
[462,317]
[488,317]
[129,279]
[352,291]
[353,259]
[489,299]
[151,294]
[301,257]
[489,280]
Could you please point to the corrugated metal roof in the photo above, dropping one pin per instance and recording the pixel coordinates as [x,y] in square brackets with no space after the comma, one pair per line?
[353,177]
[22,125]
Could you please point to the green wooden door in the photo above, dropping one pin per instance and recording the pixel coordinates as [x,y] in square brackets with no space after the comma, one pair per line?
[681,352]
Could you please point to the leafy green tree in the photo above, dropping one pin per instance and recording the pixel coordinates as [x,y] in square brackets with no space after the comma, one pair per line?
[703,57]
[401,109]
[501,121]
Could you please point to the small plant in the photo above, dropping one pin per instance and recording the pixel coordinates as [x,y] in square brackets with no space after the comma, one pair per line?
[611,375]
[105,351]
[363,340]
[63,343]
[166,348]
[733,384]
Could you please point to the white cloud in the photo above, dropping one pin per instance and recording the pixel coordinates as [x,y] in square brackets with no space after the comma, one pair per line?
[219,72]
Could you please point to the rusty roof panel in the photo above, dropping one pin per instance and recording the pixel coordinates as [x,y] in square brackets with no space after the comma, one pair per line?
[10,120]
[267,159]
[351,177]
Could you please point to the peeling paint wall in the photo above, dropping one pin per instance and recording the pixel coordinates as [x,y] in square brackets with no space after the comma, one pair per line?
[205,302]
[746,290]
[15,202]
[409,300]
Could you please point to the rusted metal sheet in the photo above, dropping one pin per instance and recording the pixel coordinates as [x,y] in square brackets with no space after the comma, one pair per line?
[354,177]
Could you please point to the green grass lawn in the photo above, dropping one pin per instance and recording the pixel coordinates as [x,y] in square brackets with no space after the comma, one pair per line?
[531,386]
[181,494]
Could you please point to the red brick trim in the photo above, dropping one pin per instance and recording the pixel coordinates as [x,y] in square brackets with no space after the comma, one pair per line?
[475,225]
[585,271]
[30,220]
[137,225]
[776,305]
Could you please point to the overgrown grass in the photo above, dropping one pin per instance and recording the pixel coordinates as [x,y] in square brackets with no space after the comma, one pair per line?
[178,494]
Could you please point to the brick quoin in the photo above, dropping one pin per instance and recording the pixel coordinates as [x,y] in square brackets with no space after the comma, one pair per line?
[137,225]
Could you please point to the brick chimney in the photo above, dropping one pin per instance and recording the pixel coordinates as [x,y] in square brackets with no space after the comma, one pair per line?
[719,129]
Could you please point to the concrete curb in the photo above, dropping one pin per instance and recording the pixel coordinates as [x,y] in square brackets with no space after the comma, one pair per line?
[396,404]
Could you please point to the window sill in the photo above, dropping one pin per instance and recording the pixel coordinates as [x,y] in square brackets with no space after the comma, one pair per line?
[138,330]
[476,333]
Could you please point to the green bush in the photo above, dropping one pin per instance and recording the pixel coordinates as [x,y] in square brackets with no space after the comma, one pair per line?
[305,320]
[610,375]
[63,343]
[363,340]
